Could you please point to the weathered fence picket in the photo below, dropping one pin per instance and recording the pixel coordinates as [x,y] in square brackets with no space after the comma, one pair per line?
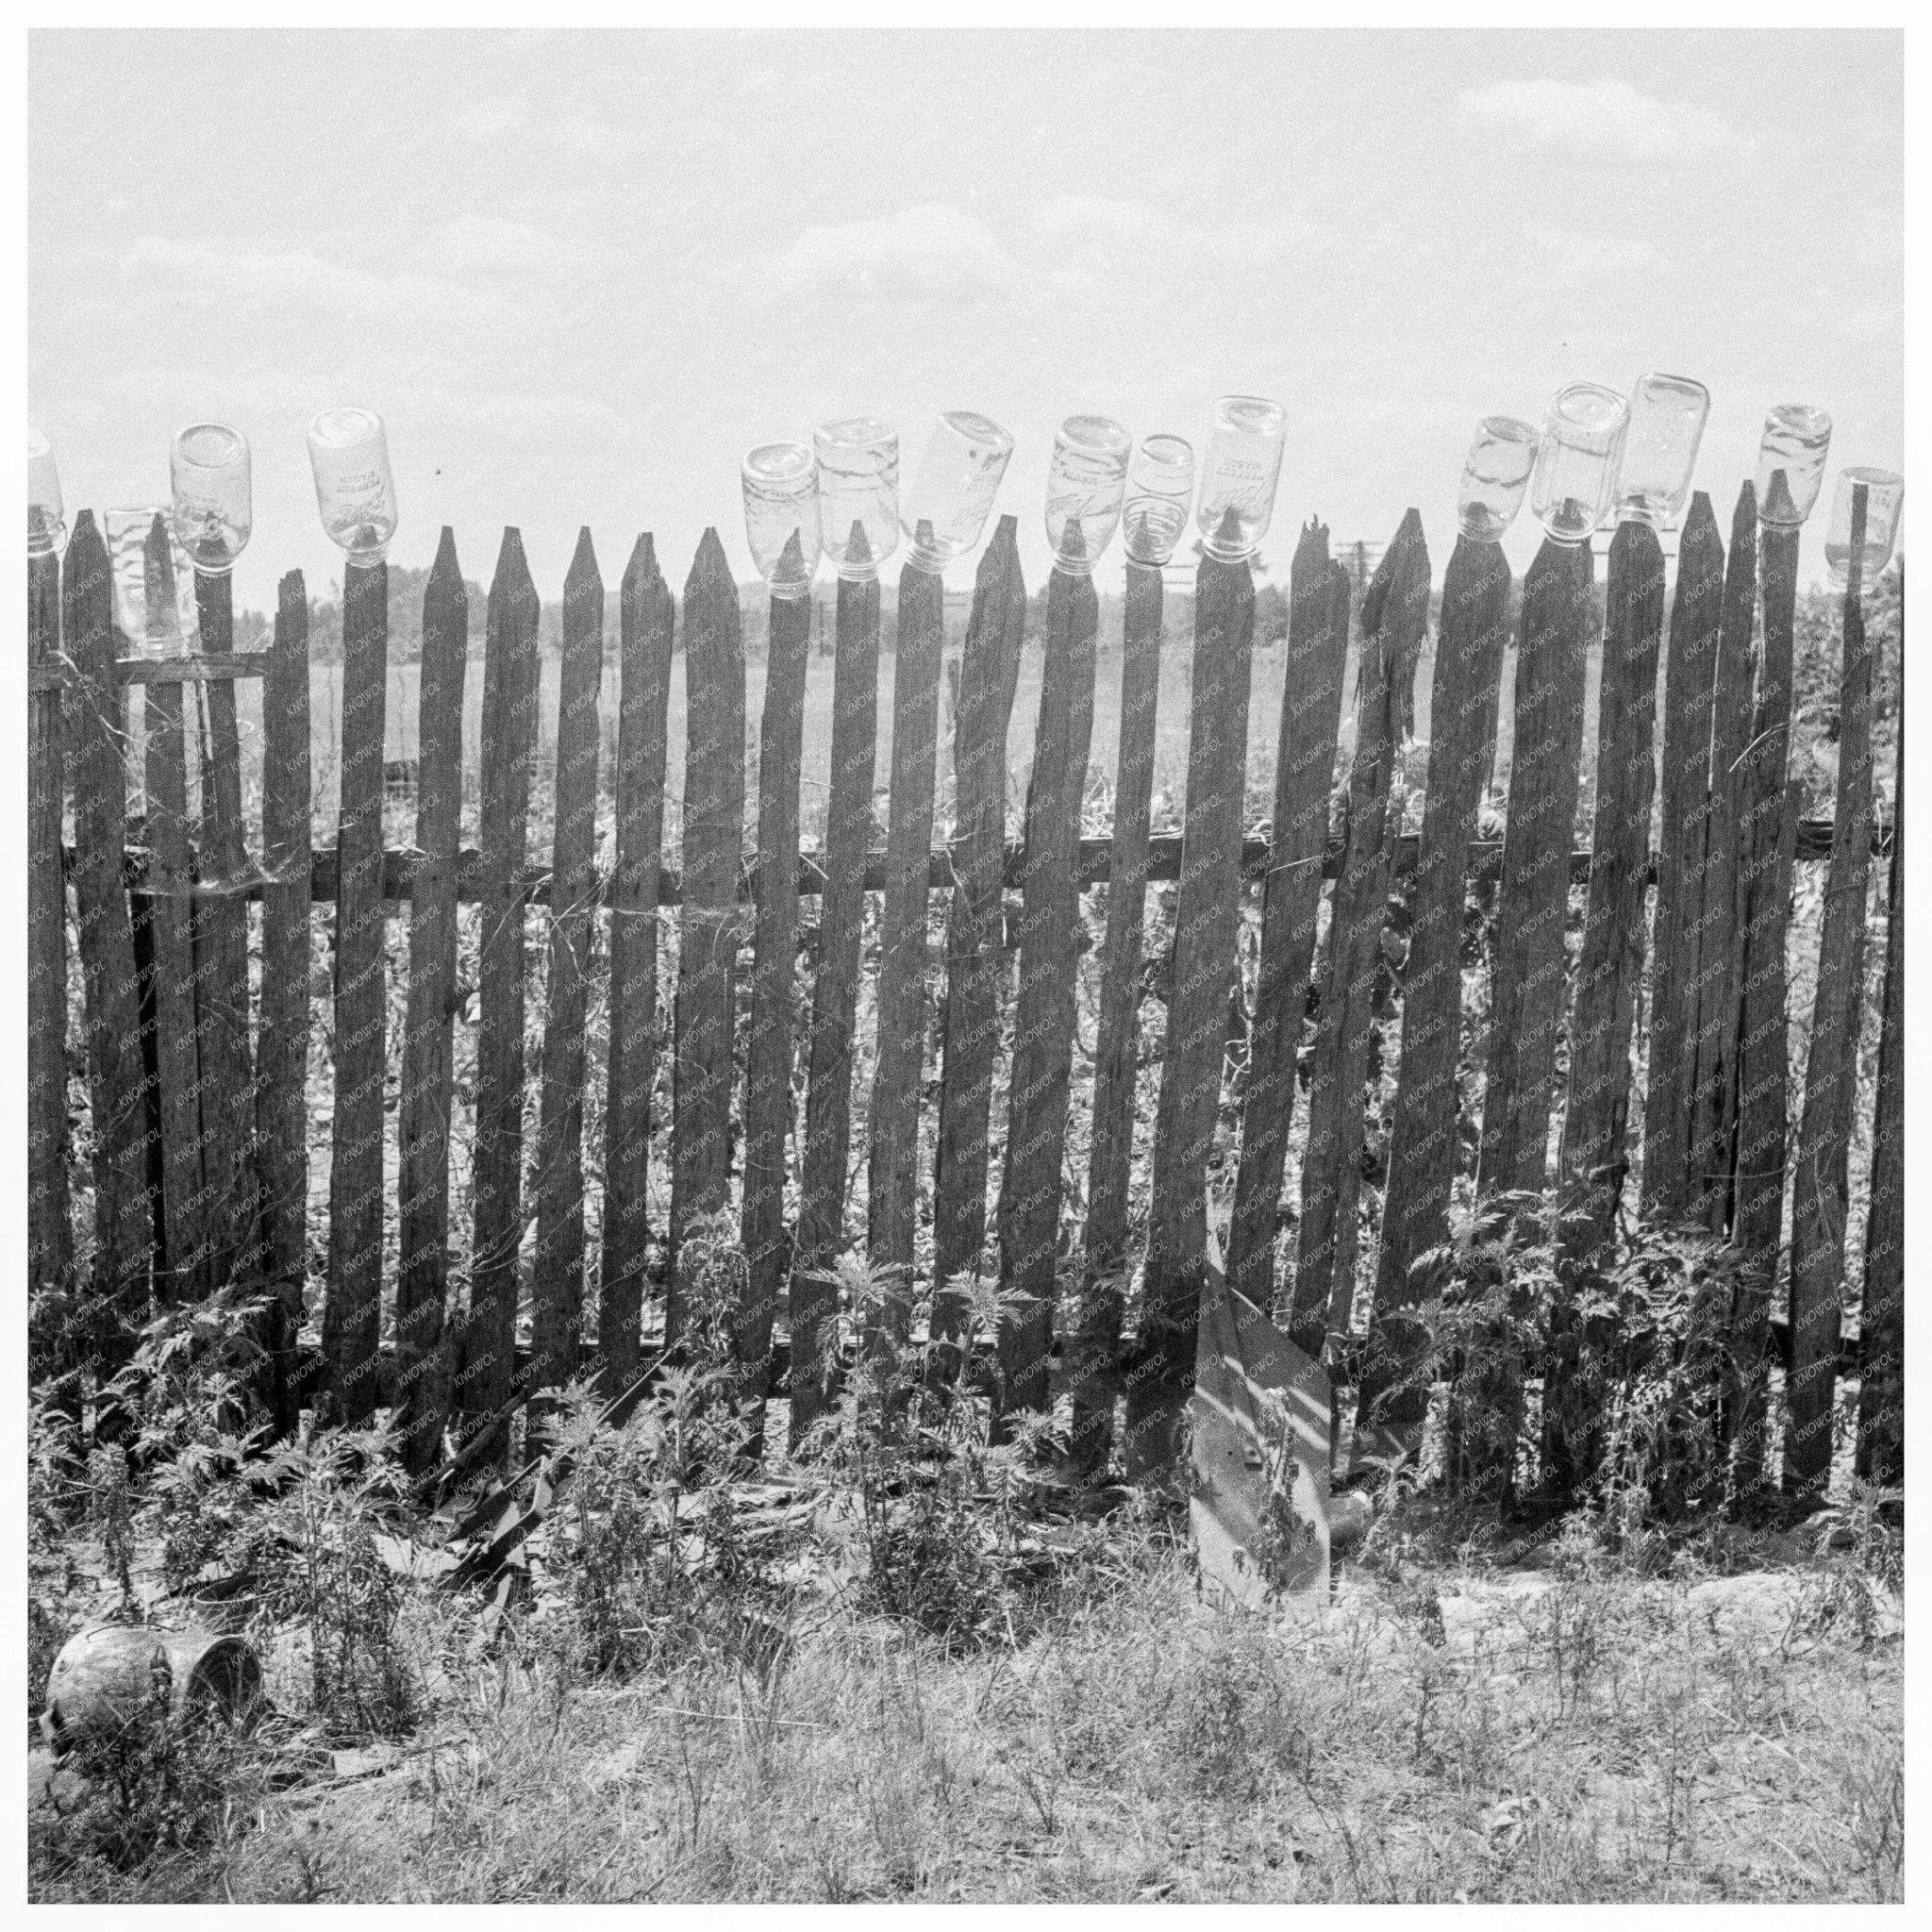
[282,1010]
[768,1099]
[713,924]
[220,963]
[423,1109]
[835,992]
[1767,821]
[1116,1051]
[1045,1007]
[1686,799]
[184,1219]
[1593,1159]
[1597,1103]
[1881,1442]
[1822,1199]
[486,1362]
[122,1231]
[1527,1008]
[904,951]
[1422,1146]
[1316,650]
[1527,1004]
[646,615]
[49,1240]
[1395,609]
[1206,930]
[976,947]
[352,1316]
[558,1274]
[1714,1089]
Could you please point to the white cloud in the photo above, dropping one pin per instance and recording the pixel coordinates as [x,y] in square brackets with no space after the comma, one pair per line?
[210,277]
[1090,244]
[1093,218]
[489,119]
[1866,321]
[932,252]
[1598,117]
[492,246]
[1262,240]
[1589,257]
[587,135]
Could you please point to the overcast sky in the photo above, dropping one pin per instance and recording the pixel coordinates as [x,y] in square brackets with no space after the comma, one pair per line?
[581,274]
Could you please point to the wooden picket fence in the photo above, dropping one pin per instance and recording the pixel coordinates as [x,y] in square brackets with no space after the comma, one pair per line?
[194,1149]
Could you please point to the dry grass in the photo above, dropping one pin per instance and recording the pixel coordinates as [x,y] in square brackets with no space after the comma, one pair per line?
[1452,1731]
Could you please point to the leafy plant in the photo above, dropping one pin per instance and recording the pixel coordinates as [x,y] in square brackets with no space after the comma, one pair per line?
[940,1500]
[187,1397]
[1628,1340]
[327,1497]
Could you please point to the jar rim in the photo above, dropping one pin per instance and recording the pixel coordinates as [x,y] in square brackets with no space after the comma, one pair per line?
[1262,415]
[210,445]
[1166,448]
[344,426]
[1689,385]
[975,428]
[1805,417]
[1589,406]
[855,432]
[778,463]
[1101,434]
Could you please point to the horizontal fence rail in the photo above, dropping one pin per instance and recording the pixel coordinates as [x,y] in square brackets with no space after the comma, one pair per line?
[402,865]
[1427,1041]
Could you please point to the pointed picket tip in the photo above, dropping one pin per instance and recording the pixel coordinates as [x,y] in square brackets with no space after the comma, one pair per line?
[1406,550]
[1552,559]
[1476,566]
[1778,507]
[510,554]
[791,558]
[1745,516]
[583,564]
[642,568]
[85,532]
[445,564]
[1311,546]
[858,545]
[998,555]
[709,567]
[1631,534]
[1700,538]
